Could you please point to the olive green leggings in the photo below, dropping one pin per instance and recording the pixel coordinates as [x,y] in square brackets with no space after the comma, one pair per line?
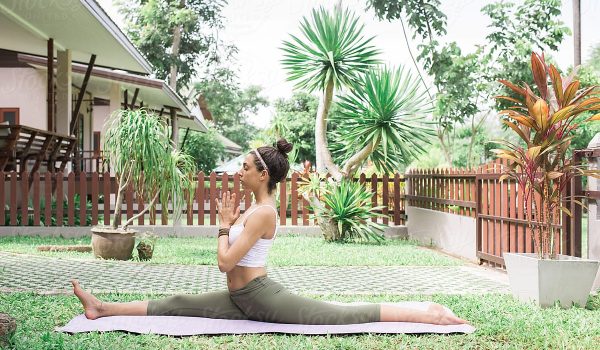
[263,300]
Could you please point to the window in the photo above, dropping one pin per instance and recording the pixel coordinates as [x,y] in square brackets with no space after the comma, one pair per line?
[10,115]
[96,143]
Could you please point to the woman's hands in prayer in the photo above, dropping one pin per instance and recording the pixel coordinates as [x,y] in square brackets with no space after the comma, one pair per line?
[229,212]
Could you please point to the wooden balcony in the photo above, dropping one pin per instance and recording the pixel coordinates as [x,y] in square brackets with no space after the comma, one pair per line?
[91,161]
[23,148]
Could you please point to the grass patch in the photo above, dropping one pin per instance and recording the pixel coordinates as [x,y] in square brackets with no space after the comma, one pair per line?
[293,250]
[501,322]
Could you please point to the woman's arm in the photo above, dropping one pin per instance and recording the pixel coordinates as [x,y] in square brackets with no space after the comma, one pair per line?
[222,248]
[261,222]
[258,224]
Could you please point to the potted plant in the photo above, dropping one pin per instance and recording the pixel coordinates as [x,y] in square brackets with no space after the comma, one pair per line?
[141,155]
[542,169]
[146,244]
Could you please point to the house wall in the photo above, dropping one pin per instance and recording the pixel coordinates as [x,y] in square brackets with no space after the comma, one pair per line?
[99,115]
[25,88]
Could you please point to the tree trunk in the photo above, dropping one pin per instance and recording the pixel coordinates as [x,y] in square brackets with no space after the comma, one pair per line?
[475,127]
[152,203]
[358,158]
[328,227]
[118,202]
[175,52]
[470,153]
[445,148]
[330,231]
[577,32]
[323,156]
[121,186]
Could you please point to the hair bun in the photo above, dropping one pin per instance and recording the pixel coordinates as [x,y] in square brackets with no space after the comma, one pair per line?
[284,147]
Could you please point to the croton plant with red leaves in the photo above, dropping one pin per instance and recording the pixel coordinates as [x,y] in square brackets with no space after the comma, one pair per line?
[540,164]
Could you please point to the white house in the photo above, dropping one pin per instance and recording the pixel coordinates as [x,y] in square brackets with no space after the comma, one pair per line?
[64,67]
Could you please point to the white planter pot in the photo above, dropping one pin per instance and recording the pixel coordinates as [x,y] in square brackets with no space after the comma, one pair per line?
[566,279]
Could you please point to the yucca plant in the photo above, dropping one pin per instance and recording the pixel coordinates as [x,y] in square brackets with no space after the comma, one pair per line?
[382,112]
[348,204]
[540,163]
[332,53]
[142,155]
[312,183]
[342,208]
[383,118]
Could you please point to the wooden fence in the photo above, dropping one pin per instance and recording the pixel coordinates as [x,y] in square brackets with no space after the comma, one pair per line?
[88,199]
[447,190]
[497,206]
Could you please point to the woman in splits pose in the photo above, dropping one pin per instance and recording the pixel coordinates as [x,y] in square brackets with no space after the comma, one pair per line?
[243,245]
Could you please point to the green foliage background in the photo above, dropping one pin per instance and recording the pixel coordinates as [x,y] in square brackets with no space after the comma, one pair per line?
[206,148]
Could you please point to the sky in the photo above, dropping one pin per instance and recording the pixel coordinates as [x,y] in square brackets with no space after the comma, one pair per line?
[258,27]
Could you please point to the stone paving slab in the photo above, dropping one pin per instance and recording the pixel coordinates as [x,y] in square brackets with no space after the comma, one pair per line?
[21,272]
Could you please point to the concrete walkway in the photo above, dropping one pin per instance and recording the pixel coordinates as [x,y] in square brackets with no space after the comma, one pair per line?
[20,272]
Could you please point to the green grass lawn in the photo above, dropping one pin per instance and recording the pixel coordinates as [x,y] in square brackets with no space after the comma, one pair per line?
[501,322]
[286,251]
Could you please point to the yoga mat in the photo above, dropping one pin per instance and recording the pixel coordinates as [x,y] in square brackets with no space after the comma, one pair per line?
[187,326]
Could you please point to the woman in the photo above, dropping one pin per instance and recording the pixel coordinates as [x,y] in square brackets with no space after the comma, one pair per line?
[243,244]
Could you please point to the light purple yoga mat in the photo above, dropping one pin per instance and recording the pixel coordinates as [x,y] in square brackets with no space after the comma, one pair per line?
[186,326]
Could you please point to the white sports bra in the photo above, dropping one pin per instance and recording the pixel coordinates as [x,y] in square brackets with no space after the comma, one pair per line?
[257,255]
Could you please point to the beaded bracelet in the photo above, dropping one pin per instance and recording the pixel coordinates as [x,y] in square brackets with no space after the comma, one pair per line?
[223,232]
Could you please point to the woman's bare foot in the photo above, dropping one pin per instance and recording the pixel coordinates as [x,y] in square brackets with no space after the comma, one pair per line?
[442,316]
[91,305]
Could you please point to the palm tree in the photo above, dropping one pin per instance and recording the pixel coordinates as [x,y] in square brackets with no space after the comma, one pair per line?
[381,116]
[332,54]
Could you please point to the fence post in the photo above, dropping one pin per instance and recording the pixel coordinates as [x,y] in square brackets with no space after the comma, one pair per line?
[71,199]
[576,190]
[24,198]
[385,198]
[213,195]
[397,199]
[283,203]
[36,199]
[478,232]
[82,198]
[47,198]
[294,199]
[374,193]
[95,193]
[200,198]
[2,196]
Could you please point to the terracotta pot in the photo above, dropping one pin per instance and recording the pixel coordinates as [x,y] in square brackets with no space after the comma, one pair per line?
[108,243]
